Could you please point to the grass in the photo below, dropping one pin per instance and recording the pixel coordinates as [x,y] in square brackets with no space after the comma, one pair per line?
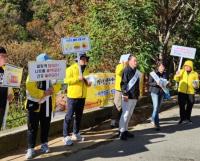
[17,115]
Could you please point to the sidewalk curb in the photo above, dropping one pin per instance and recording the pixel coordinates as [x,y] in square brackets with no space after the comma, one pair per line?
[15,138]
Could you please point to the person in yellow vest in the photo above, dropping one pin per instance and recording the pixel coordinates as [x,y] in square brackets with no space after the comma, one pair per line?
[188,81]
[37,94]
[117,108]
[5,92]
[76,94]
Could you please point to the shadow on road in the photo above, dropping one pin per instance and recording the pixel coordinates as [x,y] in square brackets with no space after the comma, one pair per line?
[118,148]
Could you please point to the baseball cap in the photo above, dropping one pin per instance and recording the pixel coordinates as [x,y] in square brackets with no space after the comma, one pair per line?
[43,57]
[83,55]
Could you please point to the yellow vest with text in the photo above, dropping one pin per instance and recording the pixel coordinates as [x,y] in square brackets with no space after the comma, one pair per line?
[75,87]
[35,94]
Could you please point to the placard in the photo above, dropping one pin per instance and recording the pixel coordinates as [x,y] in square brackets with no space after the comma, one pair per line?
[124,58]
[48,70]
[12,76]
[184,52]
[75,44]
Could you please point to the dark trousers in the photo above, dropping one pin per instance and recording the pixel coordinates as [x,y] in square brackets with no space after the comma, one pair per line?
[36,118]
[3,102]
[2,112]
[75,106]
[186,102]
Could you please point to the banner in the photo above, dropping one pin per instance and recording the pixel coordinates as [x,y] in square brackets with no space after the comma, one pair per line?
[184,52]
[12,76]
[101,93]
[49,70]
[75,44]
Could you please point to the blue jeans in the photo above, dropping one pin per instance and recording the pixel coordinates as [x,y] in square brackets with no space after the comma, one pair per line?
[157,100]
[75,106]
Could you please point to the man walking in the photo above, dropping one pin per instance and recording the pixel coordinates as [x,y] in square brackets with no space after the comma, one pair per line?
[130,93]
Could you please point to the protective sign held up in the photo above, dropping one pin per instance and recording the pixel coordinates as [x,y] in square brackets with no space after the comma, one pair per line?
[75,44]
[49,70]
[182,51]
[12,76]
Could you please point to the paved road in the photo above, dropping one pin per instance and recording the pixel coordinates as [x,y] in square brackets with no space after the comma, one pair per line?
[173,143]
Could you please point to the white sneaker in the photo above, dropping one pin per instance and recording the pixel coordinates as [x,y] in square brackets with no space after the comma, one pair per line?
[153,123]
[77,137]
[67,140]
[30,153]
[45,148]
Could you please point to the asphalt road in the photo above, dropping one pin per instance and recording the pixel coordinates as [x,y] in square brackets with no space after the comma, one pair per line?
[173,143]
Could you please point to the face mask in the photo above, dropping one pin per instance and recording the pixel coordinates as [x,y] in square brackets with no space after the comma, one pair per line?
[83,67]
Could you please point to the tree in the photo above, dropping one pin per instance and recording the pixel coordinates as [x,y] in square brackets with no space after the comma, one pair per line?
[175,19]
[120,26]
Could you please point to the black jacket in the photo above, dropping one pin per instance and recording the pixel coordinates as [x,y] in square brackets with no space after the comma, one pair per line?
[127,75]
[153,87]
[3,92]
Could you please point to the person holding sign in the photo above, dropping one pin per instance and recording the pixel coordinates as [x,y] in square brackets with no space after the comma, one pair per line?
[188,81]
[117,108]
[130,93]
[37,95]
[157,93]
[6,93]
[76,93]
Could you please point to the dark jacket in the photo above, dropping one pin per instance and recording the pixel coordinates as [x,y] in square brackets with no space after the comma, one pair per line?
[3,91]
[153,87]
[127,75]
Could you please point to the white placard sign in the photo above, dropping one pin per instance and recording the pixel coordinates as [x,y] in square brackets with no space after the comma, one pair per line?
[124,58]
[75,44]
[48,70]
[12,76]
[184,52]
